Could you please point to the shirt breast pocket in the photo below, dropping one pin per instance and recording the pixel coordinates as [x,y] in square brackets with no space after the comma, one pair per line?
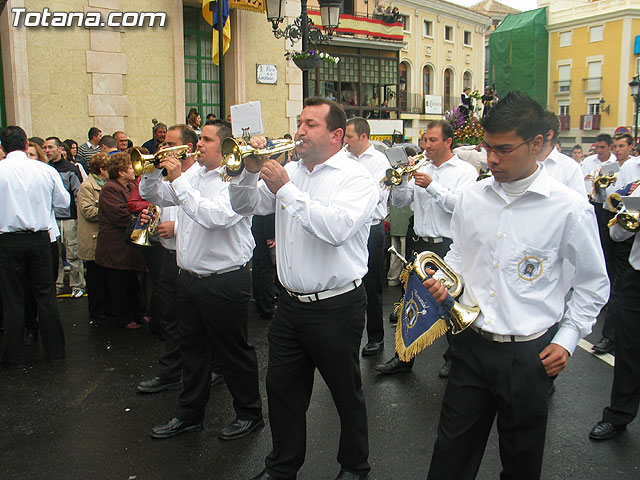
[531,268]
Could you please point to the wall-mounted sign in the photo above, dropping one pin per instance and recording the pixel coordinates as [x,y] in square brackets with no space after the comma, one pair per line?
[433,104]
[266,73]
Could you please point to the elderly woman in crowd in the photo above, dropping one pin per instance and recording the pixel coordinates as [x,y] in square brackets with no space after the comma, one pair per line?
[120,260]
[88,199]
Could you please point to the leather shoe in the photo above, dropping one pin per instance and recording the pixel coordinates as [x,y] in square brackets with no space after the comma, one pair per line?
[605,345]
[240,428]
[174,427]
[216,379]
[393,318]
[158,384]
[372,348]
[605,431]
[30,338]
[395,365]
[351,476]
[444,371]
[265,476]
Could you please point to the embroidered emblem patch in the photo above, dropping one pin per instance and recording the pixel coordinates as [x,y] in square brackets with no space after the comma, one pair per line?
[530,268]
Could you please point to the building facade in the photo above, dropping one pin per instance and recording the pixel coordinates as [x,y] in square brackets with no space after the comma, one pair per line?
[591,62]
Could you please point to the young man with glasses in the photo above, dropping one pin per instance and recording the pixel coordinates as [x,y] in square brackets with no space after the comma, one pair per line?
[511,234]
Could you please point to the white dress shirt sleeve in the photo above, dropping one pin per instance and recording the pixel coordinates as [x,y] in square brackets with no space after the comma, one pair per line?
[209,213]
[250,196]
[402,195]
[153,189]
[444,197]
[590,285]
[342,218]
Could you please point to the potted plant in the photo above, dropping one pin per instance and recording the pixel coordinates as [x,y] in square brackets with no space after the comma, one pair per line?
[309,60]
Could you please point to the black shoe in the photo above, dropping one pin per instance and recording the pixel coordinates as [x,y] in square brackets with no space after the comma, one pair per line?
[605,431]
[351,476]
[157,384]
[395,365]
[444,371]
[393,318]
[265,476]
[174,427]
[372,348]
[605,345]
[30,338]
[216,379]
[240,428]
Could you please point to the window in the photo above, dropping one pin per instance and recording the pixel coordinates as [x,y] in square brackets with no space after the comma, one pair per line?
[467,38]
[448,33]
[593,107]
[202,86]
[406,22]
[563,109]
[427,28]
[564,79]
[565,39]
[466,80]
[596,33]
[448,82]
[593,83]
[427,78]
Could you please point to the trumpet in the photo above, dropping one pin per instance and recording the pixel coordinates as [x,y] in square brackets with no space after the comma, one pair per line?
[142,232]
[145,163]
[461,316]
[600,182]
[234,150]
[393,175]
[614,201]
[627,219]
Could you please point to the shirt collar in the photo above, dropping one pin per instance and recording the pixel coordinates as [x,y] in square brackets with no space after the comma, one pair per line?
[16,154]
[541,185]
[337,161]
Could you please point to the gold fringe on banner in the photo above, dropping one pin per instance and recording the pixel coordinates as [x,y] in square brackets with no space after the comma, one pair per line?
[249,5]
[423,341]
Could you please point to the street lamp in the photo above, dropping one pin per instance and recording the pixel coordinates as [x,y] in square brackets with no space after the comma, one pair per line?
[303,27]
[635,93]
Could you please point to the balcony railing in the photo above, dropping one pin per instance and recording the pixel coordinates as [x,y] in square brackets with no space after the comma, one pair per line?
[562,87]
[364,27]
[565,122]
[592,85]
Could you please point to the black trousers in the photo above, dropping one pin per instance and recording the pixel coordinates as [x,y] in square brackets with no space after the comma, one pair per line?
[302,337]
[153,257]
[25,259]
[124,299]
[171,361]
[30,305]
[264,269]
[212,316]
[625,394]
[608,248]
[620,252]
[486,378]
[373,282]
[96,279]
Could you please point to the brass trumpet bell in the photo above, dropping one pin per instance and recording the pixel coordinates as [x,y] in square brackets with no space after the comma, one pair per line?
[146,163]
[142,232]
[234,150]
[393,176]
[627,219]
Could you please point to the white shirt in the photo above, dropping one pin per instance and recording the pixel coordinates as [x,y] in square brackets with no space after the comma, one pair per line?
[619,234]
[30,190]
[322,221]
[210,236]
[510,256]
[170,214]
[432,206]
[565,170]
[469,154]
[629,172]
[592,162]
[376,164]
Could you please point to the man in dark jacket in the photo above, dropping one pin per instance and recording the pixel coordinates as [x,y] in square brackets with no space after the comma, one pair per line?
[67,218]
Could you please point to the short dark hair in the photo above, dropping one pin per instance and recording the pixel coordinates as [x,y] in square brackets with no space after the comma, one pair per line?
[445,127]
[108,141]
[93,131]
[577,147]
[118,162]
[159,125]
[13,138]
[223,128]
[604,137]
[187,134]
[70,142]
[626,136]
[37,140]
[55,139]
[99,161]
[336,118]
[516,112]
[360,125]
[553,124]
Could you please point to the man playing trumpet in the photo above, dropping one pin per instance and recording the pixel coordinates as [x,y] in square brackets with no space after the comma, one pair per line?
[511,234]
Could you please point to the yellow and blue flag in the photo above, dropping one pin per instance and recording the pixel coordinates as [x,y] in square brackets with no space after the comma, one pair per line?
[212,19]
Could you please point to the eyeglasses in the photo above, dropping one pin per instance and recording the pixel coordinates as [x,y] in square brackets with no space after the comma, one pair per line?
[502,151]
